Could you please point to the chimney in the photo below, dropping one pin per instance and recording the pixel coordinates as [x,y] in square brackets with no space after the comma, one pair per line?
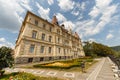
[63,26]
[54,20]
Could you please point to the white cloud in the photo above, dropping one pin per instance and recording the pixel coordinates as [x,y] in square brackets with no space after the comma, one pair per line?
[91,40]
[11,10]
[95,12]
[25,4]
[60,17]
[44,13]
[50,2]
[4,42]
[80,17]
[103,3]
[69,24]
[66,5]
[2,39]
[109,36]
[115,20]
[76,13]
[101,15]
[83,5]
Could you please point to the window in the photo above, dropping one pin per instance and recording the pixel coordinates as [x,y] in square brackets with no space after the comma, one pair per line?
[58,31]
[42,49]
[50,38]
[34,34]
[59,50]
[44,25]
[29,19]
[64,51]
[43,36]
[50,29]
[58,40]
[32,48]
[49,49]
[36,22]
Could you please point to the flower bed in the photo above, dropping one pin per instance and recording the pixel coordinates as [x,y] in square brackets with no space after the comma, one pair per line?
[67,64]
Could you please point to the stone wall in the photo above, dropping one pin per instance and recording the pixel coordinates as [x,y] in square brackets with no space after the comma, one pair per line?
[22,60]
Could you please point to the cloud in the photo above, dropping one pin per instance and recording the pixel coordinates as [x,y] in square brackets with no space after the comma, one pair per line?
[76,13]
[4,42]
[92,40]
[95,12]
[60,17]
[10,18]
[44,13]
[50,2]
[69,24]
[83,5]
[101,15]
[103,3]
[25,4]
[109,36]
[2,39]
[66,5]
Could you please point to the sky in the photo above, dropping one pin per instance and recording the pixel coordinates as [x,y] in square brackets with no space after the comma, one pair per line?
[95,20]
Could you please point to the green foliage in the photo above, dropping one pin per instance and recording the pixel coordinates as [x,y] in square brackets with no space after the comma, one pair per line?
[6,59]
[95,49]
[25,76]
[117,51]
[117,54]
[116,48]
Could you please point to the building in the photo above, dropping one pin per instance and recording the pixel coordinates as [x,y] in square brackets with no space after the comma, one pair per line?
[40,40]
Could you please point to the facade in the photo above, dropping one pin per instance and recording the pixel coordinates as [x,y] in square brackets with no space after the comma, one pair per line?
[40,40]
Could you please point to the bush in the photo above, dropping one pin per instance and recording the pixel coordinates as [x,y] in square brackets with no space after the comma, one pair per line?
[6,58]
[2,72]
[25,76]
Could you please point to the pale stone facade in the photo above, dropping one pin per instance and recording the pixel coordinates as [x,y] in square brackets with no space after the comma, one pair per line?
[40,40]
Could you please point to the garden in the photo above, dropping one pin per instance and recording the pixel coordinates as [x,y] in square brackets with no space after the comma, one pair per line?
[25,76]
[70,65]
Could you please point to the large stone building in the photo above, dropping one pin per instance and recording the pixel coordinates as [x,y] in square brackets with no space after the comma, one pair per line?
[40,40]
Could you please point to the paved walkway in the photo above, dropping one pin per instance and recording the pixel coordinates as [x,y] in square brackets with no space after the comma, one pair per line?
[99,71]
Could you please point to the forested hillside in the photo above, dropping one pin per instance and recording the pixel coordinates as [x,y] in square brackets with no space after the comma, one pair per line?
[96,49]
[116,48]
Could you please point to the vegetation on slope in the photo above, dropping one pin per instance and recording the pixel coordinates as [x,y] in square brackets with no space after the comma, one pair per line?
[96,49]
[116,48]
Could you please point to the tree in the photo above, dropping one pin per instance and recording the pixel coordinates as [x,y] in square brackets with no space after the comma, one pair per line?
[96,49]
[6,58]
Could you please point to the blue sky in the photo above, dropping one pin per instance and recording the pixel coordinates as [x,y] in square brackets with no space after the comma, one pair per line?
[96,20]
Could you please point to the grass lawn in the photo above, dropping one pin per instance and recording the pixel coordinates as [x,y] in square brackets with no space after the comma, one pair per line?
[25,76]
[68,65]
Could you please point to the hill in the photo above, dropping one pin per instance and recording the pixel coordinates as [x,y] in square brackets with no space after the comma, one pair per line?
[116,48]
